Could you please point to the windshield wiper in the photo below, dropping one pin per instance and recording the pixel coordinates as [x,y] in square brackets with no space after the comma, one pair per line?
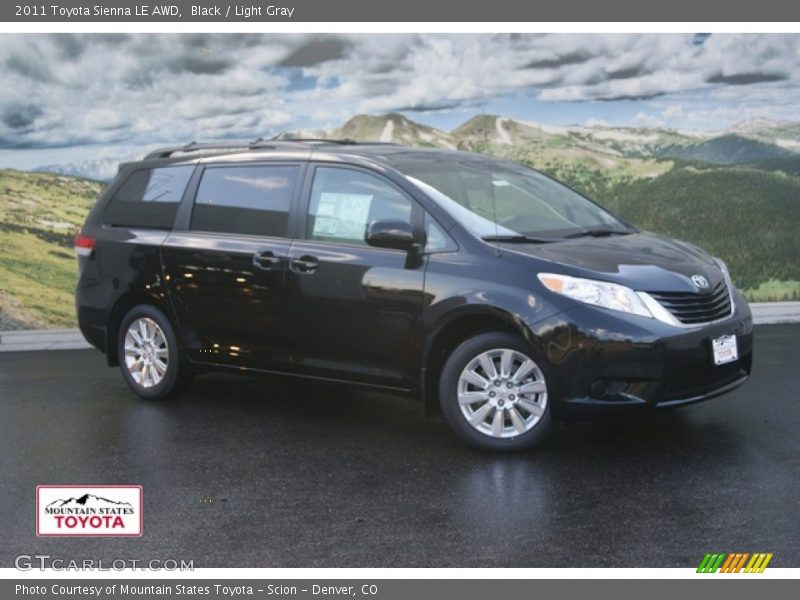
[596,233]
[517,239]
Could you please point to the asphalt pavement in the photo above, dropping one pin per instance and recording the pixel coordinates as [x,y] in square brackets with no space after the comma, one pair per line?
[265,472]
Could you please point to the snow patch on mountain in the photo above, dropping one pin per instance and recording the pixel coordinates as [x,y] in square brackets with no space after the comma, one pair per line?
[388,130]
[502,134]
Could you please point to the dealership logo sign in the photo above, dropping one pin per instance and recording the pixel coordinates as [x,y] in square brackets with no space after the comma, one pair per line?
[735,562]
[89,510]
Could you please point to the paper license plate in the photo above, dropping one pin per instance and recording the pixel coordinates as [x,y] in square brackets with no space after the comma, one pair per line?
[725,349]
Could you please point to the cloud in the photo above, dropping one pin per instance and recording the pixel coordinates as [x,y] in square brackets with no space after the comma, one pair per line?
[698,39]
[315,52]
[673,110]
[20,116]
[625,73]
[643,119]
[28,66]
[203,65]
[569,58]
[144,89]
[747,78]
[71,46]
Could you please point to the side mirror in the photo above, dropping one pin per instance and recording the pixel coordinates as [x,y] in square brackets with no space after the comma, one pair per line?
[390,233]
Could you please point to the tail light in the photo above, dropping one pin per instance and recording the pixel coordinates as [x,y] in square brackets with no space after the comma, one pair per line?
[84,245]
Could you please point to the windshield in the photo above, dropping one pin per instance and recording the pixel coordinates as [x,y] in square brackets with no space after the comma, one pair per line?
[493,198]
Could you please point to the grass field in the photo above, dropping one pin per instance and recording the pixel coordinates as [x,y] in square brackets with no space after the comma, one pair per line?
[39,216]
[775,291]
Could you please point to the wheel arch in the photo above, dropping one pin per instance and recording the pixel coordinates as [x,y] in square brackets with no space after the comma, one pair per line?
[121,307]
[447,335]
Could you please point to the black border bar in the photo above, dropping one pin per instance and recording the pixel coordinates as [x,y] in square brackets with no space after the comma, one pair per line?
[466,11]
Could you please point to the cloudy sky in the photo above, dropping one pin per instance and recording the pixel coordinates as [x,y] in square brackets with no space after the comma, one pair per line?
[71,96]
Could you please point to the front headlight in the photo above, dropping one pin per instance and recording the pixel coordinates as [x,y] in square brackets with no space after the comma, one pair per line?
[597,293]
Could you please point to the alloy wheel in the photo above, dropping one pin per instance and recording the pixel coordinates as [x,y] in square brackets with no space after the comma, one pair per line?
[502,393]
[146,352]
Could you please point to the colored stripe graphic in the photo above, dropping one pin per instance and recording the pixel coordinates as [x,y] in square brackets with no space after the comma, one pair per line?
[740,564]
[711,562]
[758,563]
[727,566]
[734,562]
[703,563]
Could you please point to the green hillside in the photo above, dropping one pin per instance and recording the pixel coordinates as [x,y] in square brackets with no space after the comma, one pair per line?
[789,166]
[729,150]
[748,217]
[597,174]
[39,216]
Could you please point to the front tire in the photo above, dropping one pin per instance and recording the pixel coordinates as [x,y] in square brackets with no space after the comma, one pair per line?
[148,354]
[494,394]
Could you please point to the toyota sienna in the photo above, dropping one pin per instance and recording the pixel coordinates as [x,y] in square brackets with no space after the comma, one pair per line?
[493,293]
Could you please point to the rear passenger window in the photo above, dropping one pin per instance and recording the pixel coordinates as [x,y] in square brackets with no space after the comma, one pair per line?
[149,198]
[245,200]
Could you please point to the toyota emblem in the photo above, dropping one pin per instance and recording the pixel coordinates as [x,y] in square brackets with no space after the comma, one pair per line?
[700,281]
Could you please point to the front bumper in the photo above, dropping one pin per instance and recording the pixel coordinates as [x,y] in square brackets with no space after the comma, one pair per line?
[599,361]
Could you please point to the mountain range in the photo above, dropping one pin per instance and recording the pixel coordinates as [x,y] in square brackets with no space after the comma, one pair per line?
[87,501]
[747,141]
[752,140]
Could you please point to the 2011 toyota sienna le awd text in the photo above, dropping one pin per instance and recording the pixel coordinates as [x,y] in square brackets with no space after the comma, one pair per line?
[485,288]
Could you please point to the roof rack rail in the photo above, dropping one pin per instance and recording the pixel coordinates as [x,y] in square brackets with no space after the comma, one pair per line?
[340,141]
[219,146]
[344,141]
[257,144]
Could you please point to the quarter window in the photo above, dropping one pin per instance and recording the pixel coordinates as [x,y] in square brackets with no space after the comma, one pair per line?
[149,198]
[436,239]
[245,200]
[344,201]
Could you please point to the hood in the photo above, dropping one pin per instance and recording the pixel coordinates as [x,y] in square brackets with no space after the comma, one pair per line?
[642,261]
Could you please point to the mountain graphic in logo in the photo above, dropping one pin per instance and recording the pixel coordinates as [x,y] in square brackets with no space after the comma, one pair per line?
[87,500]
[89,510]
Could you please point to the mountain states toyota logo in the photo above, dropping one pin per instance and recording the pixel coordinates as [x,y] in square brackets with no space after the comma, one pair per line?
[89,510]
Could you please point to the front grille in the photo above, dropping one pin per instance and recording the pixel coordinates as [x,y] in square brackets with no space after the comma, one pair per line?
[695,309]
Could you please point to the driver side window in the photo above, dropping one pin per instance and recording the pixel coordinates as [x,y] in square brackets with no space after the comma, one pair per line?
[345,201]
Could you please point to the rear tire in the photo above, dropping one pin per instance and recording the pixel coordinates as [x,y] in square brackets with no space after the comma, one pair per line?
[149,356]
[494,393]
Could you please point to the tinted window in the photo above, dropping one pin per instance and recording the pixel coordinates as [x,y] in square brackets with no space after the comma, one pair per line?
[246,200]
[149,198]
[436,239]
[344,201]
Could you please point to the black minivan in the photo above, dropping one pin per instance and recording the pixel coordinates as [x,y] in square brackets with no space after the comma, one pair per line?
[490,291]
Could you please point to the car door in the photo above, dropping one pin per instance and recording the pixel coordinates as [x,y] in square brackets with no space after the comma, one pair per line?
[357,309]
[226,271]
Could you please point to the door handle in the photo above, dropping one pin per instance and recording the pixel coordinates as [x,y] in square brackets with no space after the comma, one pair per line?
[304,264]
[266,260]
